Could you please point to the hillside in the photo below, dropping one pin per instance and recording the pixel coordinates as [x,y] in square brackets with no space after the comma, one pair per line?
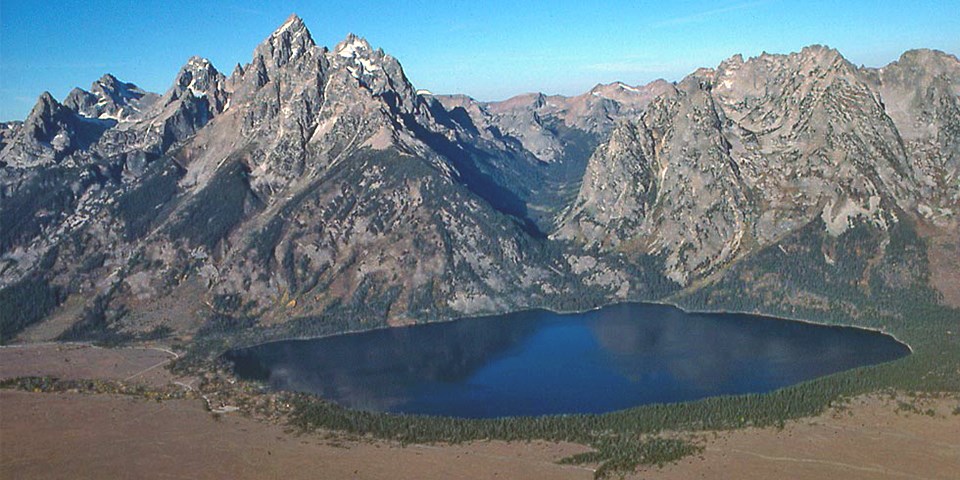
[313,190]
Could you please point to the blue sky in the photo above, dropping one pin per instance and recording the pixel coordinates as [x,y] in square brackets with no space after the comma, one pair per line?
[487,49]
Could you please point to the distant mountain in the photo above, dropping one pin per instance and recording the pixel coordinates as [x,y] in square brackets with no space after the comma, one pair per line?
[314,190]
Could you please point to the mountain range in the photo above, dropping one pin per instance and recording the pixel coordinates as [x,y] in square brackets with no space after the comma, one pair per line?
[314,190]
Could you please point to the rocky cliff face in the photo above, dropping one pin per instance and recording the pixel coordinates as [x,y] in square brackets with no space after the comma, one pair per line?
[921,96]
[311,186]
[314,190]
[537,145]
[754,150]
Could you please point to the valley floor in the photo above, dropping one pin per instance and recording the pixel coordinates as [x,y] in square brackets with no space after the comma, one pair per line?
[870,439]
[73,435]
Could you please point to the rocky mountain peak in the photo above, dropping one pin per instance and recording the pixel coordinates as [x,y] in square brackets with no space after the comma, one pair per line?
[360,65]
[109,99]
[199,78]
[352,46]
[292,25]
[287,43]
[926,64]
[613,88]
[743,142]
[82,102]
[48,134]
[198,72]
[824,57]
[109,82]
[628,95]
[361,60]
[921,94]
[45,106]
[288,53]
[820,51]
[298,106]
[736,59]
[46,119]
[764,83]
[813,61]
[927,56]
[120,93]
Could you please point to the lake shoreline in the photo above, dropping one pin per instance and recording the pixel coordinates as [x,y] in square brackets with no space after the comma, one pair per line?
[599,361]
[588,310]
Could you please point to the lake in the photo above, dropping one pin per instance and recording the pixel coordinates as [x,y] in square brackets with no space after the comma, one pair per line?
[539,363]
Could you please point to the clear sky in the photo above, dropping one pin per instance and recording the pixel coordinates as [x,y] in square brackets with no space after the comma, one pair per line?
[489,49]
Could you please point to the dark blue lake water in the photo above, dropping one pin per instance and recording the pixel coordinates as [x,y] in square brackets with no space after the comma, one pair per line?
[538,363]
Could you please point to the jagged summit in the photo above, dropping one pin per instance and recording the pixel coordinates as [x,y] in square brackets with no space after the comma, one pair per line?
[809,57]
[108,81]
[293,24]
[198,77]
[927,55]
[45,102]
[110,99]
[362,60]
[811,54]
[926,62]
[819,50]
[44,117]
[116,89]
[287,43]
[47,135]
[629,94]
[617,85]
[352,46]
[743,142]
[198,62]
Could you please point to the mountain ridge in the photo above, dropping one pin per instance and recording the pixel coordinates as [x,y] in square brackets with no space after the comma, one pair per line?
[315,190]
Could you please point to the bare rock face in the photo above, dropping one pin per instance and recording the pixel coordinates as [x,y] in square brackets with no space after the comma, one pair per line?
[538,122]
[110,99]
[921,95]
[198,95]
[537,146]
[682,181]
[314,190]
[313,186]
[756,149]
[603,215]
[8,130]
[50,133]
